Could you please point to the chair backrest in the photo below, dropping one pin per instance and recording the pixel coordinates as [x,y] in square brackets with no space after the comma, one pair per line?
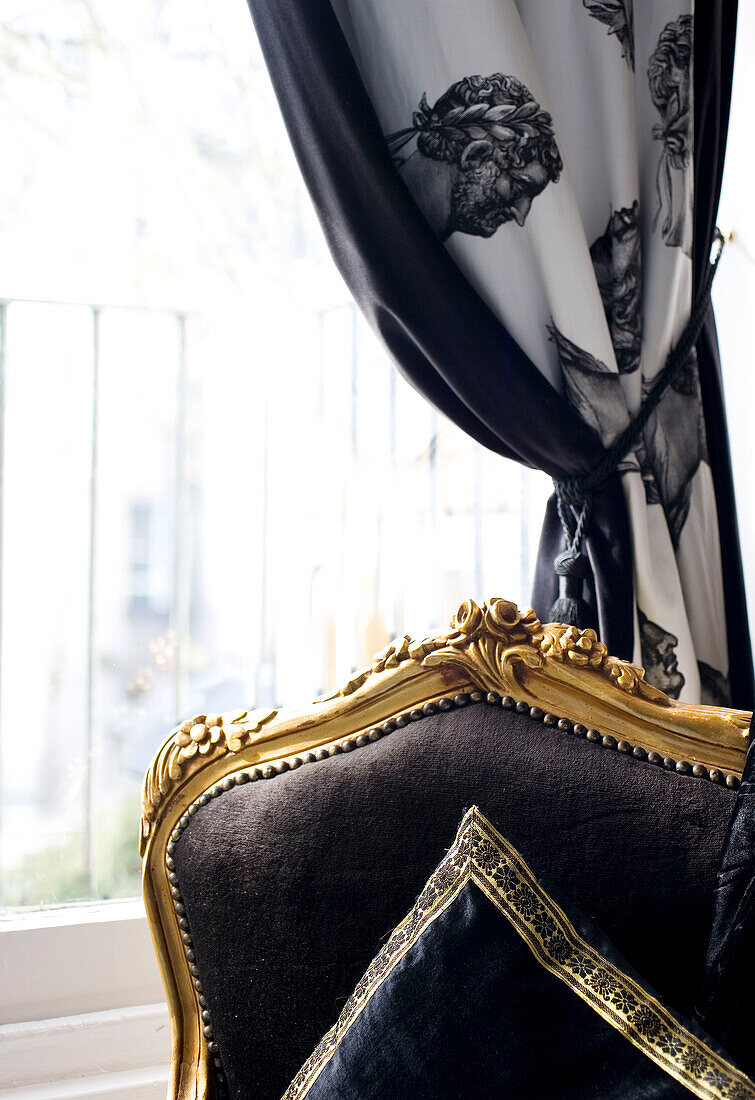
[281,849]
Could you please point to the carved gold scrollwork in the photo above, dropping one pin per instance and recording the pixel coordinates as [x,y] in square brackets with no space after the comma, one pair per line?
[582,649]
[497,636]
[186,749]
[394,654]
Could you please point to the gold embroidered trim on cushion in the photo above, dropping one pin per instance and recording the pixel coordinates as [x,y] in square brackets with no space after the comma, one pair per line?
[501,873]
[481,854]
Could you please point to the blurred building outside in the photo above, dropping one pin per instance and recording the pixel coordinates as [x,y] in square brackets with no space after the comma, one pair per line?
[217,490]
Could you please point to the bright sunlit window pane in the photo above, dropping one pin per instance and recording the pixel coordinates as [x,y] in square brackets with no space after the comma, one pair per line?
[217,490]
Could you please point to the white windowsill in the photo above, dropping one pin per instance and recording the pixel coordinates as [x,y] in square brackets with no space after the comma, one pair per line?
[76,959]
[82,1010]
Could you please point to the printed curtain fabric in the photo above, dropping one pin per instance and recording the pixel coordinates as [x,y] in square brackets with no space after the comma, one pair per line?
[550,151]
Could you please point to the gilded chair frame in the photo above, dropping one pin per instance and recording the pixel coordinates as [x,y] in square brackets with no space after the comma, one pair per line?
[490,647]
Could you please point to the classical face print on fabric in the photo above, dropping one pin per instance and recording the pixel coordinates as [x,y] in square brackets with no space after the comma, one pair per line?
[484,152]
[715,690]
[670,79]
[616,259]
[659,658]
[591,387]
[618,16]
[674,445]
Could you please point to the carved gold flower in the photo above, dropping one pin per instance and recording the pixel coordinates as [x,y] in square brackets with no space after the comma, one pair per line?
[468,618]
[500,618]
[505,619]
[568,643]
[198,735]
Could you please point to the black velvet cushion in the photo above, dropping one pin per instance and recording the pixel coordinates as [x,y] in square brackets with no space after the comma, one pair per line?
[291,884]
[494,987]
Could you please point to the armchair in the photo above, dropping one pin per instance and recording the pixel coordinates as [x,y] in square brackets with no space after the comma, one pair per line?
[281,847]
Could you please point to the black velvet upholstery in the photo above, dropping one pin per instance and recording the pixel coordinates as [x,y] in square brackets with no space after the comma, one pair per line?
[291,884]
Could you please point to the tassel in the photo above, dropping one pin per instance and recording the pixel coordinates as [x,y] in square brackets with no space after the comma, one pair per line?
[570,608]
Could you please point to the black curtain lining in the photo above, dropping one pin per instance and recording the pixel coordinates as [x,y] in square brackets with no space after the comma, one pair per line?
[343,157]
[715,37]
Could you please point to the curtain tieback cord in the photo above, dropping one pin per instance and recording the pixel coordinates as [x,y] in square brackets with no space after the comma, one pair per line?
[574,495]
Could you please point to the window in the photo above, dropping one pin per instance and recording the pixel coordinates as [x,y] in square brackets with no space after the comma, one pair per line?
[217,490]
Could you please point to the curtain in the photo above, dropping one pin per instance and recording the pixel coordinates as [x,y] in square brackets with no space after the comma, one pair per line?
[515,196]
